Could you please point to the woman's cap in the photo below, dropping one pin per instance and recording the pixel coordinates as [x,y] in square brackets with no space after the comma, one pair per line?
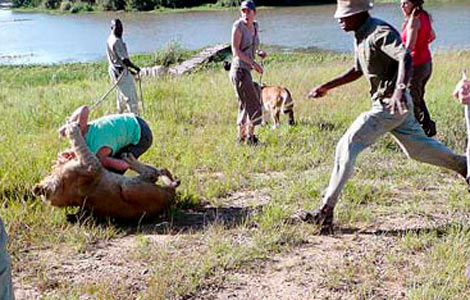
[346,8]
[248,4]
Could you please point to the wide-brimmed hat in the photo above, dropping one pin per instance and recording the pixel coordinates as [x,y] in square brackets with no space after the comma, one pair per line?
[248,4]
[346,8]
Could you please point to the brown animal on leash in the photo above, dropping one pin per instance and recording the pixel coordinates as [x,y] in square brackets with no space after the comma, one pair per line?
[84,182]
[275,99]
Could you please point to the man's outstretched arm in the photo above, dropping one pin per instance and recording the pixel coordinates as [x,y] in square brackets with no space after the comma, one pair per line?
[349,76]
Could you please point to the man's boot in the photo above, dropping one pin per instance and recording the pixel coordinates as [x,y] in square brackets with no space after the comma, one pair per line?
[322,216]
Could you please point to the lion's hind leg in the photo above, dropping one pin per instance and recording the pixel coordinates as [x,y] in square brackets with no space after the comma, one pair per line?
[80,149]
[149,173]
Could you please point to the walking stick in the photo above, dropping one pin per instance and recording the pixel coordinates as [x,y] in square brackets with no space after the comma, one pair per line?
[139,78]
[467,122]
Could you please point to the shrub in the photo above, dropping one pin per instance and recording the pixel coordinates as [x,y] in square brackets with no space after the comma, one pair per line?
[65,5]
[171,53]
[228,3]
[111,4]
[140,5]
[51,4]
[80,6]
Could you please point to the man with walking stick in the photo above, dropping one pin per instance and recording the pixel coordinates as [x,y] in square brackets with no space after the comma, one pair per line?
[121,70]
[381,57]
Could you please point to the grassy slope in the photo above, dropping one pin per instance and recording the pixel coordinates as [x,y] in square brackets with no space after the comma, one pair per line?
[193,123]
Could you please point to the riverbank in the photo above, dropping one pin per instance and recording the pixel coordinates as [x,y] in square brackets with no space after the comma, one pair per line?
[402,227]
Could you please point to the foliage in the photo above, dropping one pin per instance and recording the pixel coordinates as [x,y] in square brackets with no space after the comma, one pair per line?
[170,54]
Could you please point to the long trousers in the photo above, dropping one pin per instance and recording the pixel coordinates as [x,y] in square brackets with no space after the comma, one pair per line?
[371,125]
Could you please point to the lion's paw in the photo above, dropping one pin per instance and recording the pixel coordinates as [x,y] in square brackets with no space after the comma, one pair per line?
[129,158]
[69,130]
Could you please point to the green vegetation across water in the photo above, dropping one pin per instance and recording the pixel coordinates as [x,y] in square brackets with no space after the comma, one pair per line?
[193,121]
[144,5]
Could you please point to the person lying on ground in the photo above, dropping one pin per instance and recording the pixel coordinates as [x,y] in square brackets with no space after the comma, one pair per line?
[386,63]
[111,136]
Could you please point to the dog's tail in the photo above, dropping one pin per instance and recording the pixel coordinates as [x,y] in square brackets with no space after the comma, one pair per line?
[287,102]
[288,106]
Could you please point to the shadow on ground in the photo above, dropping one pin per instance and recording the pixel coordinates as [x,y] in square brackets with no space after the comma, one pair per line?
[176,221]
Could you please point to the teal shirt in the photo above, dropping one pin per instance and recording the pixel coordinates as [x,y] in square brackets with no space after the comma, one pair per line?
[113,131]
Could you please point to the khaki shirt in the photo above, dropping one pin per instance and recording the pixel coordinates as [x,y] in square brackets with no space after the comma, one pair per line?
[378,49]
[116,51]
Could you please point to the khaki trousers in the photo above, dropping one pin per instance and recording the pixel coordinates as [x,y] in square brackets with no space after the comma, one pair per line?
[371,125]
[249,103]
[126,94]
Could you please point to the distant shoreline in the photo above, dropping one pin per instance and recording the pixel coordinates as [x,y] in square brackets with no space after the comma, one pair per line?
[80,7]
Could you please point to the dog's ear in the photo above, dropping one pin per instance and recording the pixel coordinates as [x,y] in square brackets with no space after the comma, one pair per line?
[227,65]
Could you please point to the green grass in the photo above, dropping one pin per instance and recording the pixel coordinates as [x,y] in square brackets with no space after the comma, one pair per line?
[193,122]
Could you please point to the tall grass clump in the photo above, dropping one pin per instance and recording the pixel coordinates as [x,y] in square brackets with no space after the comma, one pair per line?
[171,53]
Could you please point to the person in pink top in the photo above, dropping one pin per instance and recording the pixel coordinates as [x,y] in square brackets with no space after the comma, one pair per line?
[417,34]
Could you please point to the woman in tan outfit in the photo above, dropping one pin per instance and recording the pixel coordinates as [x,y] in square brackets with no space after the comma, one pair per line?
[245,43]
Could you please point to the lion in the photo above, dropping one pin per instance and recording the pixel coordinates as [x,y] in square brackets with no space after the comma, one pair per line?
[82,181]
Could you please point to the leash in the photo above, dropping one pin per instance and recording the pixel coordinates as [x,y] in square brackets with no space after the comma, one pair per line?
[92,107]
[261,75]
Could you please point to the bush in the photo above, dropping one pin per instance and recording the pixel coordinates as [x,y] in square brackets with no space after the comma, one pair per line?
[111,4]
[26,3]
[80,6]
[65,5]
[228,3]
[51,4]
[140,5]
[171,53]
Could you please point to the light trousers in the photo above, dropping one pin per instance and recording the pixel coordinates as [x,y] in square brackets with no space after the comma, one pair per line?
[126,93]
[371,125]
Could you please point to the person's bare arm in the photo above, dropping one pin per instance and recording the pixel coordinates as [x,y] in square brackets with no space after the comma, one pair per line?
[350,75]
[412,29]
[397,101]
[236,41]
[130,64]
[432,37]
[110,162]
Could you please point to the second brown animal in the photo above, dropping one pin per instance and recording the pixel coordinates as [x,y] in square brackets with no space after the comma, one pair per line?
[275,99]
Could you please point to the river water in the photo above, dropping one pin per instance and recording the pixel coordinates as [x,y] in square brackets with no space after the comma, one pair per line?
[35,38]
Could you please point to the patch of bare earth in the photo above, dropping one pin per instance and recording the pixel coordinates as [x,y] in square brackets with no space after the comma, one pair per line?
[42,272]
[327,267]
[363,261]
